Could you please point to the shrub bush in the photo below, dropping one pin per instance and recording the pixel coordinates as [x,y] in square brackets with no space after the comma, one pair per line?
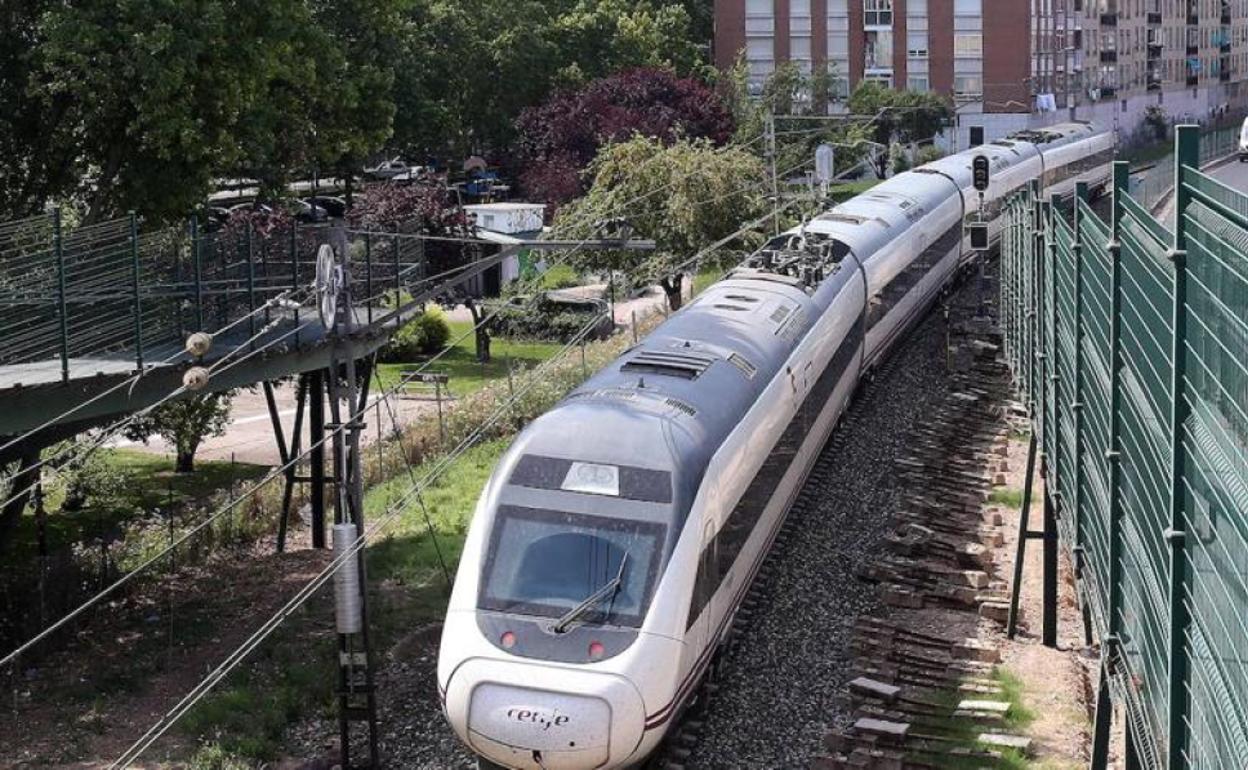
[424,335]
[927,154]
[546,320]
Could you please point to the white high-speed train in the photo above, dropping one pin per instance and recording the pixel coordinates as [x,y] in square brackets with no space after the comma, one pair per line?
[612,545]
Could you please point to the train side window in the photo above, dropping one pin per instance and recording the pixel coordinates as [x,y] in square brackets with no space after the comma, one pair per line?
[707,580]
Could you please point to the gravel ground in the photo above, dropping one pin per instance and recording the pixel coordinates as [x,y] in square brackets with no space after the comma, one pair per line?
[783,685]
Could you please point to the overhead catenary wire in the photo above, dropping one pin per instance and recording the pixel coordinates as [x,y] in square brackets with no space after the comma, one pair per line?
[138,375]
[112,430]
[278,472]
[230,505]
[86,450]
[392,513]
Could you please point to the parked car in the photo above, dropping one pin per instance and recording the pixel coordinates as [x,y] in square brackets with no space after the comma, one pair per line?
[306,212]
[335,208]
[253,207]
[389,169]
[215,218]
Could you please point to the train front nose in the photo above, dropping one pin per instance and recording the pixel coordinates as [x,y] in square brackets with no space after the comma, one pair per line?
[500,709]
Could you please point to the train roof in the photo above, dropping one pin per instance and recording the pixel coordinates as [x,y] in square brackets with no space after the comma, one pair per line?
[671,400]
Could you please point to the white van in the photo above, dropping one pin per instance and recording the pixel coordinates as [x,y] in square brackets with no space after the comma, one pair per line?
[1243,142]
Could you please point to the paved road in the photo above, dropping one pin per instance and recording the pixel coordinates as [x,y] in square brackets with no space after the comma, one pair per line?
[249,438]
[1232,173]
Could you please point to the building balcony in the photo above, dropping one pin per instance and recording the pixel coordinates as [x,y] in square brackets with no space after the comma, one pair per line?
[1154,84]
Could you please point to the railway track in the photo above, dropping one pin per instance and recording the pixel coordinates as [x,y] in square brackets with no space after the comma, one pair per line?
[841,523]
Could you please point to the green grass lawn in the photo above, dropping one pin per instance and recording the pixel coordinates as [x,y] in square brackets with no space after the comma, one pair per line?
[846,190]
[460,362]
[705,278]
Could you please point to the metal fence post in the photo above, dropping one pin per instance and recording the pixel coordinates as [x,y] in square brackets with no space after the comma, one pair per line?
[1076,401]
[58,250]
[294,272]
[251,288]
[1186,156]
[1036,387]
[198,269]
[1052,481]
[368,275]
[1122,184]
[138,303]
[398,283]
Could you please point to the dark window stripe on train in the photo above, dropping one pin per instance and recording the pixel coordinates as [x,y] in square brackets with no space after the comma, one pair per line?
[896,290]
[1079,167]
[718,557]
[644,484]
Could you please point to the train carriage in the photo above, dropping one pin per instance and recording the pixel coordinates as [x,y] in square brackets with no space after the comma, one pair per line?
[612,545]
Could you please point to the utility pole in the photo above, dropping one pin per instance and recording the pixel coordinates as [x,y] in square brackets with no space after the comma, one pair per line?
[357,700]
[771,163]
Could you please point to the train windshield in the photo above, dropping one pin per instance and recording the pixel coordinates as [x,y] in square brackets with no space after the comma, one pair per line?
[546,563]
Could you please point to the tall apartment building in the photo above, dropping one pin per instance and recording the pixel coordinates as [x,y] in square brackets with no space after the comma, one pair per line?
[1008,64]
[1189,57]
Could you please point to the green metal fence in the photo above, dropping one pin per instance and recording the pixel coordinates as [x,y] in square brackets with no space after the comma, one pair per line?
[1129,343]
[114,290]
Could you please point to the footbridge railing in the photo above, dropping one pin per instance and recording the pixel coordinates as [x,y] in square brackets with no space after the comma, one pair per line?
[1129,345]
[117,290]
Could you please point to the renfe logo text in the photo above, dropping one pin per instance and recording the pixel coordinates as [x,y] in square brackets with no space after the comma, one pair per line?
[536,717]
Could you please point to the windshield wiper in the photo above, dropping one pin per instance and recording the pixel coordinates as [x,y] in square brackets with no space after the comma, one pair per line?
[609,590]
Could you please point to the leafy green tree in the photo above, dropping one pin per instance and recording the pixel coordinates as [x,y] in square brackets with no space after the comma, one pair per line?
[707,193]
[904,117]
[466,70]
[183,424]
[141,104]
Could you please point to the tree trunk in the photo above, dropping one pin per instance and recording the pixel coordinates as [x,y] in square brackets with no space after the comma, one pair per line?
[480,336]
[22,483]
[185,462]
[673,287]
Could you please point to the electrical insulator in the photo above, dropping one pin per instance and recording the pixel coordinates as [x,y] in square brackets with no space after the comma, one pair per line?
[198,344]
[196,378]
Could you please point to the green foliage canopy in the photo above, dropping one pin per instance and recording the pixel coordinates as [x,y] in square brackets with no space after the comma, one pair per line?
[684,196]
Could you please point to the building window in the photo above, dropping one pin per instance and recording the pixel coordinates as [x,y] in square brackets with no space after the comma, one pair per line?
[968,46]
[968,87]
[879,50]
[917,83]
[968,8]
[916,8]
[877,13]
[917,46]
[799,48]
[883,79]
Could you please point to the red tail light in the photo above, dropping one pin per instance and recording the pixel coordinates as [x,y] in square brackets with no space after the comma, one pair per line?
[596,650]
[508,640]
